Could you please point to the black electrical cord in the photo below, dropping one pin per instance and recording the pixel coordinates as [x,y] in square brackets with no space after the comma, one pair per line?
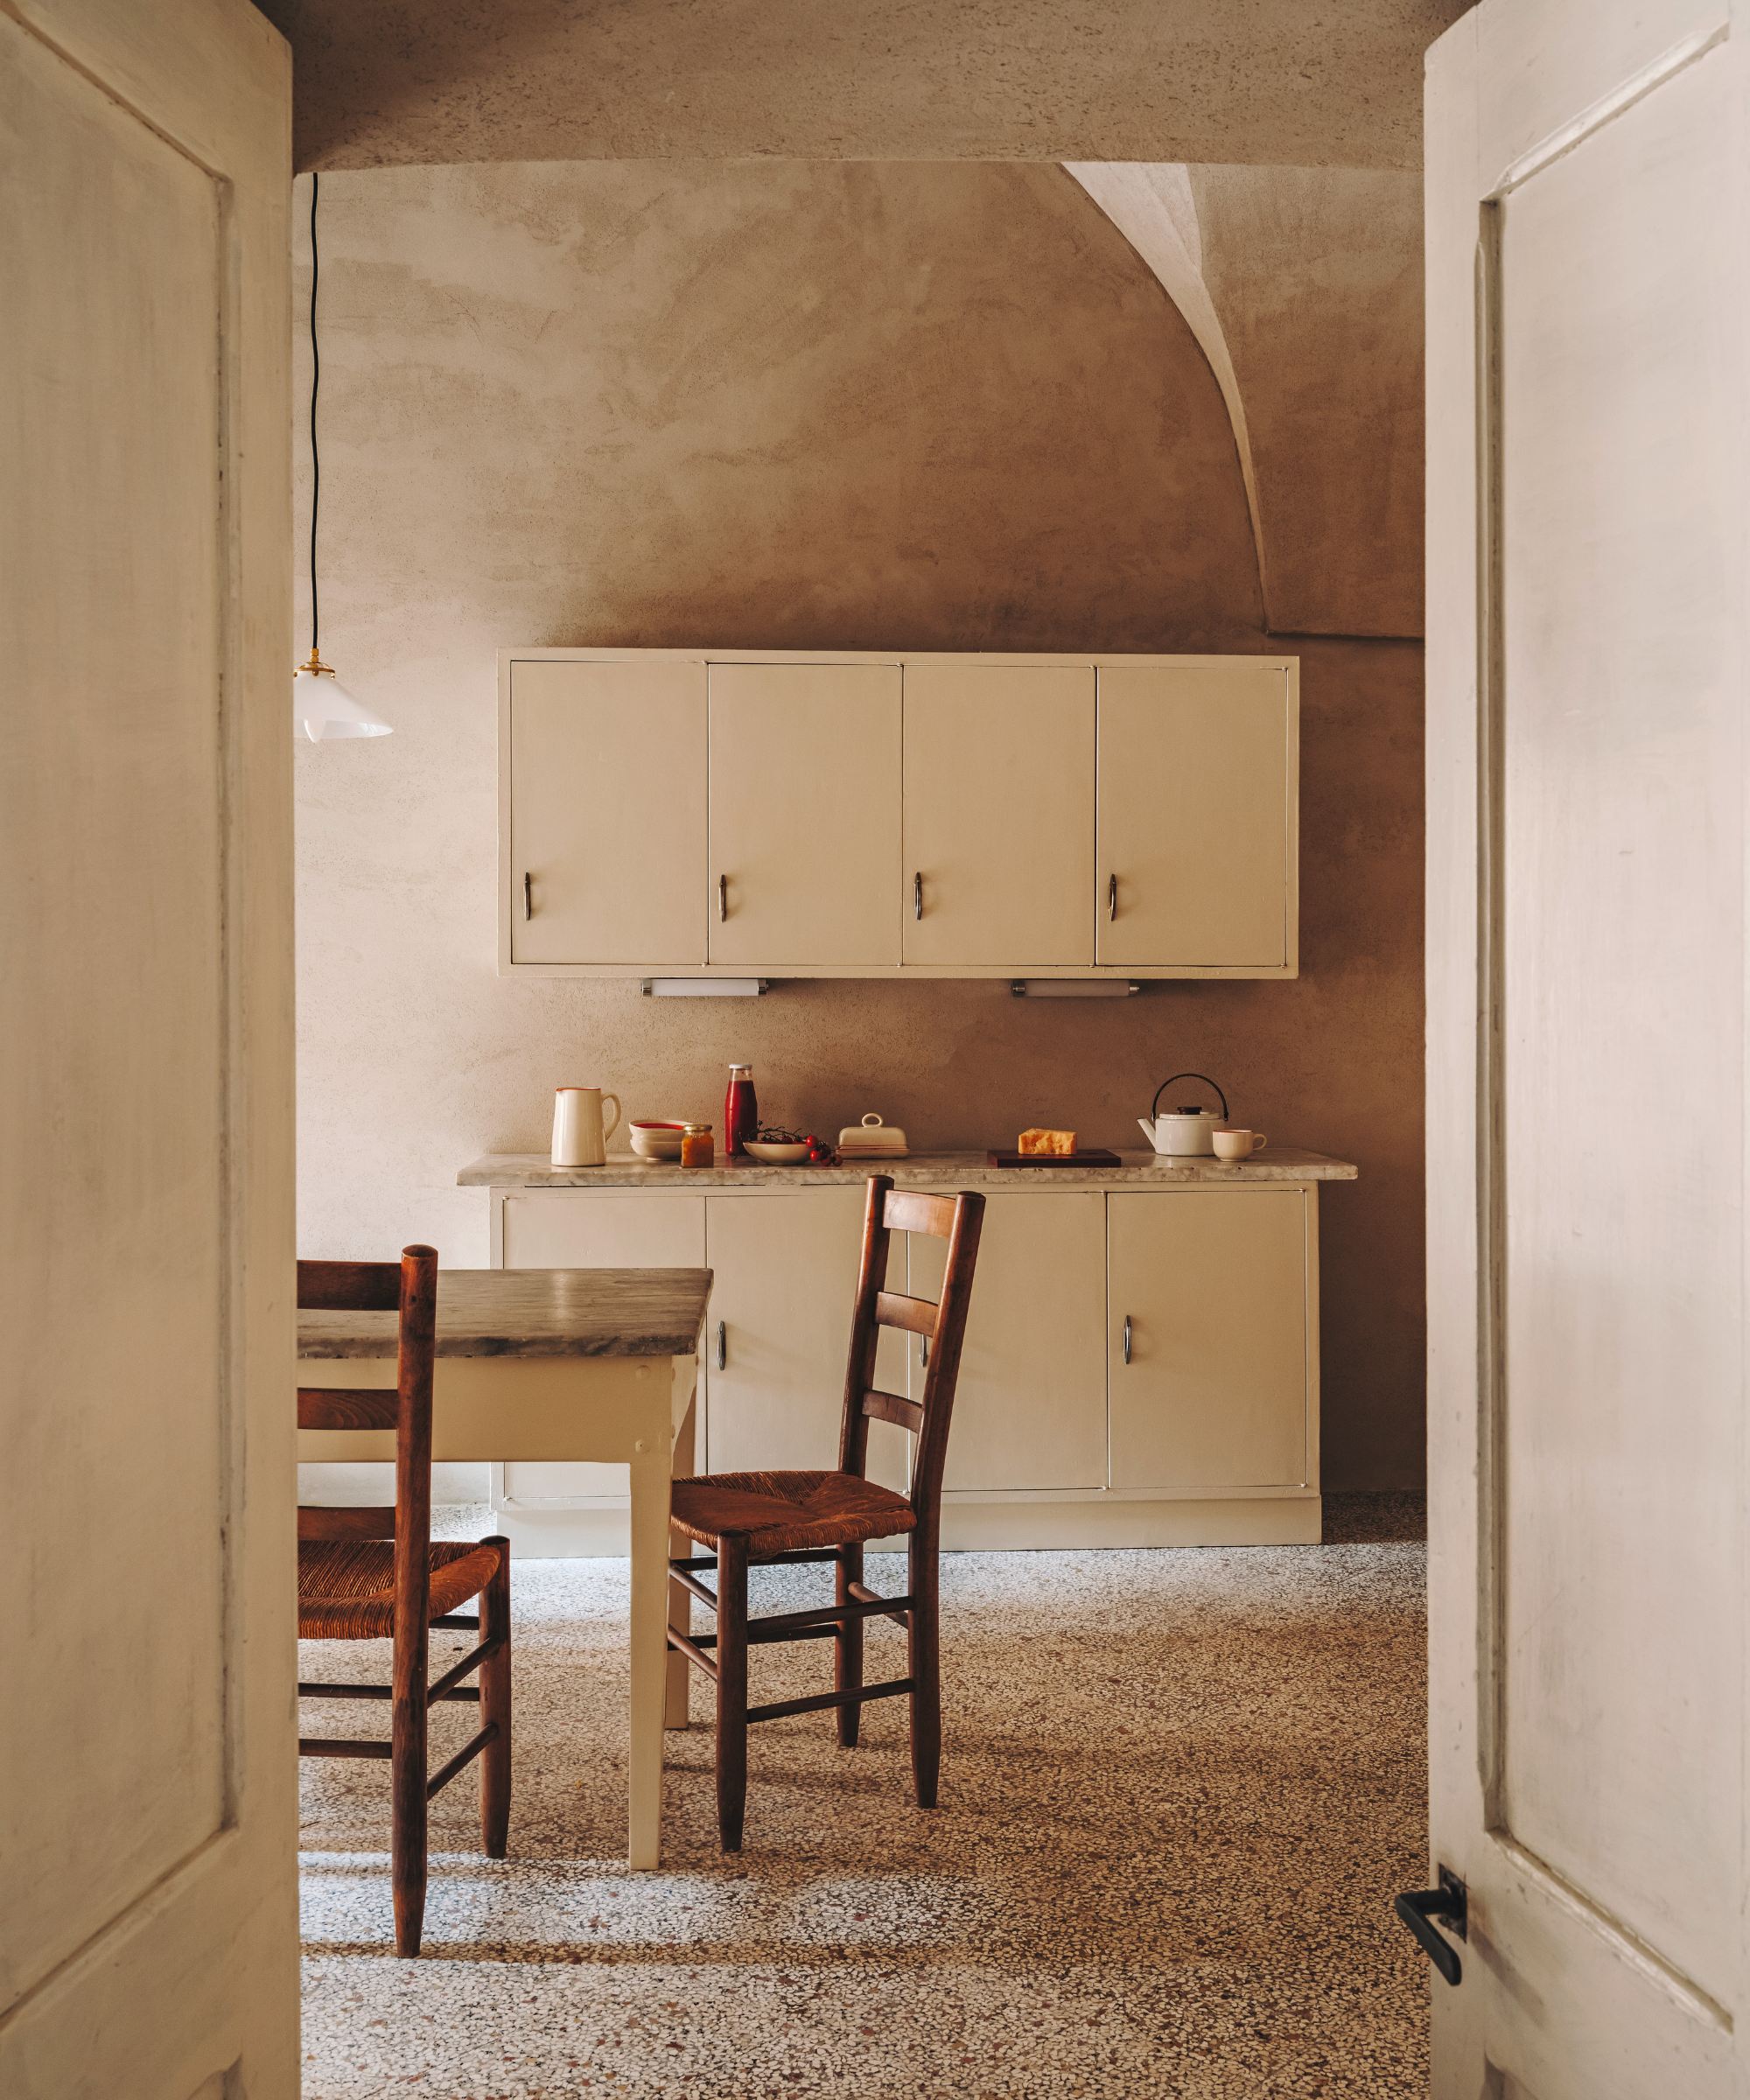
[315,386]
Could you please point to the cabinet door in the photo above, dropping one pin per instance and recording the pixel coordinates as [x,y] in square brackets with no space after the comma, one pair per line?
[557,1228]
[1030,1409]
[998,803]
[1195,817]
[785,1270]
[804,814]
[608,812]
[1214,1285]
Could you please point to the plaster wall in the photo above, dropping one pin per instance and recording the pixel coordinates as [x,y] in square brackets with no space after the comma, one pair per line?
[939,405]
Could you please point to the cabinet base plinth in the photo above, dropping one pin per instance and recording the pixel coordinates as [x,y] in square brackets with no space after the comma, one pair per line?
[602,1532]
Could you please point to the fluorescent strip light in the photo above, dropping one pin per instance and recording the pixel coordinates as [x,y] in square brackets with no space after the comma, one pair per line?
[703,988]
[1074,988]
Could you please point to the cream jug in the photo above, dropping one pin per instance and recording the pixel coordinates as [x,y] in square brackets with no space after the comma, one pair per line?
[1184,1132]
[579,1136]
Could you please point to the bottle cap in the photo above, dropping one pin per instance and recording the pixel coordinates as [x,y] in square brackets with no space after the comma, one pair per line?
[694,1130]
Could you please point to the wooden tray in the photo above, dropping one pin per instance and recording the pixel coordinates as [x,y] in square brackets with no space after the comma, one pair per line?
[1094,1157]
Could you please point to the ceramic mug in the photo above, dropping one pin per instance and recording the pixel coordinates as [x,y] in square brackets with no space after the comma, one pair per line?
[579,1137]
[1237,1145]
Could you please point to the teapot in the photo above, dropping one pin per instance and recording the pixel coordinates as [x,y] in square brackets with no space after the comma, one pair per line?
[1186,1132]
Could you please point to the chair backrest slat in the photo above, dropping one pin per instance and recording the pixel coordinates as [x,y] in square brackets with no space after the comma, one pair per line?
[348,1407]
[345,1524]
[958,1220]
[893,1309]
[349,1286]
[909,1210]
[892,1407]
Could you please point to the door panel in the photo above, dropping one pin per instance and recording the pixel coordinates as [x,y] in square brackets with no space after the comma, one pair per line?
[998,805]
[1586,684]
[1214,1283]
[608,812]
[804,812]
[1030,1409]
[147,1787]
[785,1270]
[1194,815]
[599,1229]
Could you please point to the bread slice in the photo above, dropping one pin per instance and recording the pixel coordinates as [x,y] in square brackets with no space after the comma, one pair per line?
[1055,1145]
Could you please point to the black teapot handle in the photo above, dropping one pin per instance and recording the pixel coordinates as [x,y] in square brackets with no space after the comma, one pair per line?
[1154,1106]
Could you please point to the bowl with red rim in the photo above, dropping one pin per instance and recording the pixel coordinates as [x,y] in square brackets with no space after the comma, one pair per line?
[657,1138]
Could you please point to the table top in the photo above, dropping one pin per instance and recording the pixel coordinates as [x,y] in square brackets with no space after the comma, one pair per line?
[944,1171]
[536,1312]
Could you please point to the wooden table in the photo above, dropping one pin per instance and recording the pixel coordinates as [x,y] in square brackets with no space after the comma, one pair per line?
[557,1363]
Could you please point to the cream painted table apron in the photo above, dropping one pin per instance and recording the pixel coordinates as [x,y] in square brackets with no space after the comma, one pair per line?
[557,1363]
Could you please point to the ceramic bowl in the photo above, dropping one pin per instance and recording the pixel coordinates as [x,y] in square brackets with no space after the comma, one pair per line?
[656,1140]
[775,1155]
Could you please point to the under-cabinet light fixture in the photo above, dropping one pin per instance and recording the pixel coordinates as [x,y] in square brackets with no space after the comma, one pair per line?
[705,987]
[1074,988]
[321,706]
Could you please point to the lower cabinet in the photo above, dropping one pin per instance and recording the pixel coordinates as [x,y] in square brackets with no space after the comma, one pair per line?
[1207,1337]
[1140,1366]
[1030,1406]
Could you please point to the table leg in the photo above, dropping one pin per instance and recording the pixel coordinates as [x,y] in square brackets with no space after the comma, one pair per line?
[680,1603]
[650,1476]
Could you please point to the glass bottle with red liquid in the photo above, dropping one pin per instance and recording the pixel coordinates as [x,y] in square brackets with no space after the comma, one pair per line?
[741,1112]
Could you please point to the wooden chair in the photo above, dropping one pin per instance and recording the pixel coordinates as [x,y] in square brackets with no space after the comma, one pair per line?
[354,1584]
[779,1519]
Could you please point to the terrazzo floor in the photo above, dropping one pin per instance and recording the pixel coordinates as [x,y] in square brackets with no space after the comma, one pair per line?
[1178,1791]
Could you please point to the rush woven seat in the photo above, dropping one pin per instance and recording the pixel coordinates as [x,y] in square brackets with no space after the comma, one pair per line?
[345,1587]
[788,1512]
[747,1519]
[364,1574]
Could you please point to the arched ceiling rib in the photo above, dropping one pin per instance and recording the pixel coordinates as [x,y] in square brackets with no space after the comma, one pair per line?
[1303,287]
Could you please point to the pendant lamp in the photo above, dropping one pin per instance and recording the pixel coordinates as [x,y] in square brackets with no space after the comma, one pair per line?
[321,706]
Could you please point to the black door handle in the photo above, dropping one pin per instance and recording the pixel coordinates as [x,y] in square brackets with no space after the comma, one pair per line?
[1450,1903]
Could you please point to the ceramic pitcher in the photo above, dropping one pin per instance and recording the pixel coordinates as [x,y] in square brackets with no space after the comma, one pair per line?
[579,1136]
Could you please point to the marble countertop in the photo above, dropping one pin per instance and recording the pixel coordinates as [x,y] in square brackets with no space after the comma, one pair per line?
[536,1312]
[1140,1169]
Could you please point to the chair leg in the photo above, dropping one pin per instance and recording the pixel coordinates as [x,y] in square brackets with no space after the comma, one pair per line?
[408,1774]
[923,1646]
[848,1646]
[495,1706]
[731,1691]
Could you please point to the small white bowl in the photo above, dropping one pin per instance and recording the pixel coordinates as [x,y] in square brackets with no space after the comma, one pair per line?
[656,1140]
[775,1155]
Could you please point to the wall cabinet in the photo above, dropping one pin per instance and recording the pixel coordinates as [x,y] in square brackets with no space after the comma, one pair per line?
[681,814]
[1140,1365]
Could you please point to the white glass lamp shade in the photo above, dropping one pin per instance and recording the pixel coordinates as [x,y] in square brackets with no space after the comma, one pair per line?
[321,706]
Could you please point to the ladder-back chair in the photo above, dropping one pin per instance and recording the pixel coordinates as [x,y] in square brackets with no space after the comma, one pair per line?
[363,1574]
[779,1519]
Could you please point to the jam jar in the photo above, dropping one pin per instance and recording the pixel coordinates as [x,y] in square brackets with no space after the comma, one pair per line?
[697,1147]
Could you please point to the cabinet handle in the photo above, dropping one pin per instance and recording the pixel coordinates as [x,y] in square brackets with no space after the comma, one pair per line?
[1112,897]
[1127,1337]
[917,896]
[722,898]
[722,1346]
[528,894]
[923,1350]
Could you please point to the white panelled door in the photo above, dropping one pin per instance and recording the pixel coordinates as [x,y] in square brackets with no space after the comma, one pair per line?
[1588,465]
[148,1768]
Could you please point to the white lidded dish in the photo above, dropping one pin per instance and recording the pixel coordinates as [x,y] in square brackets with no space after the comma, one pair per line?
[871,1139]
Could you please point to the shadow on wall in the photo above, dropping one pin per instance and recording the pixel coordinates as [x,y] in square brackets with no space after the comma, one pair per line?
[856,406]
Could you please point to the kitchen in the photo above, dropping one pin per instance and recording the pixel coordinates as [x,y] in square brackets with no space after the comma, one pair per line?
[449,554]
